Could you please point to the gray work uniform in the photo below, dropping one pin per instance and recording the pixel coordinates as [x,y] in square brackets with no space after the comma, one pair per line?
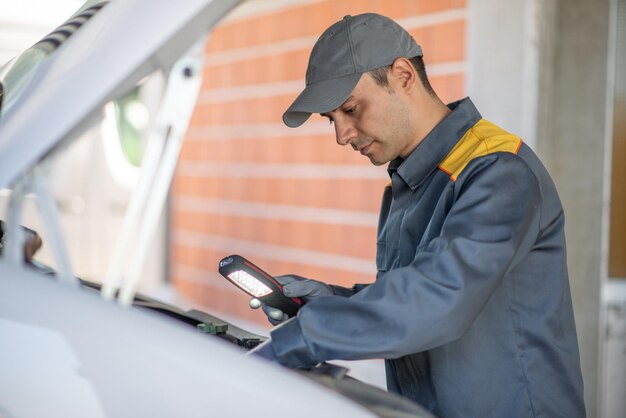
[471,307]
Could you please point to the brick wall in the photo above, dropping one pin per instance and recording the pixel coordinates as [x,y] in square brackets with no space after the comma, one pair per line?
[291,200]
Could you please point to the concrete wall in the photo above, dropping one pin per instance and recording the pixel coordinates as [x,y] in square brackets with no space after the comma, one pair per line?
[502,63]
[539,69]
[572,140]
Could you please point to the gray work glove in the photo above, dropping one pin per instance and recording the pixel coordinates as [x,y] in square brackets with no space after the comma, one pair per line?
[293,286]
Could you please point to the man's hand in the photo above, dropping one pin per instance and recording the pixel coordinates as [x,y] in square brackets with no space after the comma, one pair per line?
[275,316]
[293,286]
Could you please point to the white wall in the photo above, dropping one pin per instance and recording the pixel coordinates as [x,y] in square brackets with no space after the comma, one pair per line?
[502,56]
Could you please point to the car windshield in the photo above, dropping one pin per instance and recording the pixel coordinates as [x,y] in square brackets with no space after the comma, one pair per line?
[16,74]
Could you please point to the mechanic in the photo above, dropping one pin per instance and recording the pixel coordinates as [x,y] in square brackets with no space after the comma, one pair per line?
[471,307]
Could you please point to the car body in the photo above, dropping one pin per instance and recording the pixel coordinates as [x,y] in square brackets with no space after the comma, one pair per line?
[65,349]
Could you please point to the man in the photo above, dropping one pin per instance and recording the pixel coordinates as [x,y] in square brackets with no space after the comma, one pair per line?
[471,308]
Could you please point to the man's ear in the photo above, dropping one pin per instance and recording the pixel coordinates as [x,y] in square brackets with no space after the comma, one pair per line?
[405,75]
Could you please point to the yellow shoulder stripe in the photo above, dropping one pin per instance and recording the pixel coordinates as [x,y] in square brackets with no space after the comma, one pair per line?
[482,139]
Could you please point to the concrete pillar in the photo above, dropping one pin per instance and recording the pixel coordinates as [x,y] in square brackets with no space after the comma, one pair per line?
[538,68]
[502,63]
[572,141]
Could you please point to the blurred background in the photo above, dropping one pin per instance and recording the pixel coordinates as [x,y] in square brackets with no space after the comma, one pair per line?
[291,200]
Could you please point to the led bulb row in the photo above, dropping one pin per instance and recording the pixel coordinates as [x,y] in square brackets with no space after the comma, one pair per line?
[248,283]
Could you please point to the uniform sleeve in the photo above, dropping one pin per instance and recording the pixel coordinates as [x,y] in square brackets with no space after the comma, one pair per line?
[347,291]
[491,225]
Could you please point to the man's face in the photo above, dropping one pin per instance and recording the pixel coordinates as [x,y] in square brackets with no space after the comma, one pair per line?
[374,120]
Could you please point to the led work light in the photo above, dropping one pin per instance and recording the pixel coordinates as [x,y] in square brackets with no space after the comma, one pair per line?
[257,283]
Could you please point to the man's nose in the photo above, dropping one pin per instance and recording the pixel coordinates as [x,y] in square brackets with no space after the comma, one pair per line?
[345,132]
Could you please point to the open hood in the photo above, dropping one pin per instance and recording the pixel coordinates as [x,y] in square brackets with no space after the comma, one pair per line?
[108,54]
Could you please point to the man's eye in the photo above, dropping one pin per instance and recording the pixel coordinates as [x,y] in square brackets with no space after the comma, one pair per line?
[351,110]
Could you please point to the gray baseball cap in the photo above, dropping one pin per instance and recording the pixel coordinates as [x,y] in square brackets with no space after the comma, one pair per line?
[346,50]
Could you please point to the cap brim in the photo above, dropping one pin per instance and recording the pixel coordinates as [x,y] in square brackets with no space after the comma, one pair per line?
[320,97]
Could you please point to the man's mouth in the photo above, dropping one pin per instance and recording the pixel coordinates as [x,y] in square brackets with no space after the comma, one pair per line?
[363,150]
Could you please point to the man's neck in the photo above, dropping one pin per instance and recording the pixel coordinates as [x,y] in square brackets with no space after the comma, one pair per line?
[434,111]
[427,114]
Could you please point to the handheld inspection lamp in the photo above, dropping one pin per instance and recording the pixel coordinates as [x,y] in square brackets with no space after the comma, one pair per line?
[257,283]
